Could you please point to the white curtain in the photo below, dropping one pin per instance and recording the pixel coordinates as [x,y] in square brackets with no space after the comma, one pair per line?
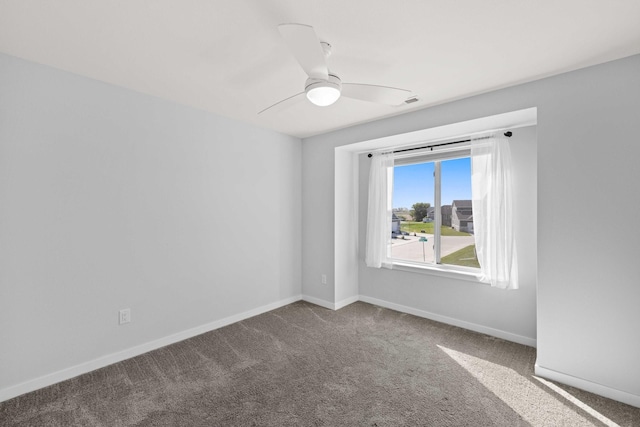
[379,213]
[491,190]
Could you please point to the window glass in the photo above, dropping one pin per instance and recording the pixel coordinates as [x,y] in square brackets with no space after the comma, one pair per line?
[413,201]
[457,245]
[415,215]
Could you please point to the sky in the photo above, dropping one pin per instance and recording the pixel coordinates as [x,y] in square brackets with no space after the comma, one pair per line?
[414,183]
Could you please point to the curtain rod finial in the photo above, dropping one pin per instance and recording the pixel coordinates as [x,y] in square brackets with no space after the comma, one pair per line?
[370,155]
[508,134]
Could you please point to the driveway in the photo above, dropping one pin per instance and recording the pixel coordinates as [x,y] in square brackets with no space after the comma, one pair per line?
[411,248]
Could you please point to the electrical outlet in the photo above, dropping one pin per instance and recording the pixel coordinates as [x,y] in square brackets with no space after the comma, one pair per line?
[125,316]
[324,279]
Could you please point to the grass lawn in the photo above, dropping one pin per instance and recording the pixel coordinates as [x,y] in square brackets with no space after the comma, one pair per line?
[418,227]
[465,257]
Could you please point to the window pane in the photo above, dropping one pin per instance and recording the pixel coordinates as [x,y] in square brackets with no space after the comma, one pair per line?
[457,241]
[413,187]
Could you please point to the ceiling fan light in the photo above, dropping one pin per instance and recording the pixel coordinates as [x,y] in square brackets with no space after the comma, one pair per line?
[323,92]
[323,96]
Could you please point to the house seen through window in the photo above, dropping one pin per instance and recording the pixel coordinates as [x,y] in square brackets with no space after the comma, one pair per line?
[432,211]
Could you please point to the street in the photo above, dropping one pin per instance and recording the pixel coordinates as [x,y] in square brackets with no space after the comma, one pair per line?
[411,248]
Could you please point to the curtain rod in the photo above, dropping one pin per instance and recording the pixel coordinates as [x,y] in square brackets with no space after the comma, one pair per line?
[507,134]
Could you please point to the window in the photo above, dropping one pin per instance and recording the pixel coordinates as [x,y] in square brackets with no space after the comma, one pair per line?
[441,179]
[432,221]
[489,219]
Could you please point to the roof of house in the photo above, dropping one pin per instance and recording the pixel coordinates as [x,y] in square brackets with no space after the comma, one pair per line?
[463,216]
[463,210]
[462,203]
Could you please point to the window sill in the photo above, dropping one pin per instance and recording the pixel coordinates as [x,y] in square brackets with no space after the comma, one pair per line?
[470,276]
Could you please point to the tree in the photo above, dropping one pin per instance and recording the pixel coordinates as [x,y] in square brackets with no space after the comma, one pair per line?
[419,210]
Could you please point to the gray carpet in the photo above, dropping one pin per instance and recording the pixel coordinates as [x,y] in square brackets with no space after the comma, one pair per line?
[303,365]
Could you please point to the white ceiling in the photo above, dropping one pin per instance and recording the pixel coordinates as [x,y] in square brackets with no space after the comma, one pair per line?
[227,56]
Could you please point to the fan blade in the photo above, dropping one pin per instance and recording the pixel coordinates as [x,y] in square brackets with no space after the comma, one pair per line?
[373,93]
[285,103]
[305,46]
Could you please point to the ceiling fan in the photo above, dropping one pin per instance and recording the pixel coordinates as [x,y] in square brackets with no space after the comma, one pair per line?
[323,87]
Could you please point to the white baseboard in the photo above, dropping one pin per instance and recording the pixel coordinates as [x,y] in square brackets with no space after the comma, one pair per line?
[599,389]
[331,305]
[318,301]
[101,362]
[345,302]
[451,321]
[421,313]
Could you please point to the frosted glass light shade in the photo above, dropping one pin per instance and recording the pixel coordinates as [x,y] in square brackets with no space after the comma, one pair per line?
[322,95]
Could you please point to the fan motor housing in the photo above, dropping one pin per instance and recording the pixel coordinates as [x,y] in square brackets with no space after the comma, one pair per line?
[332,81]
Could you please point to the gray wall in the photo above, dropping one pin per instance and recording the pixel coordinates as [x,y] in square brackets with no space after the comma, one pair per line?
[112,199]
[587,311]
